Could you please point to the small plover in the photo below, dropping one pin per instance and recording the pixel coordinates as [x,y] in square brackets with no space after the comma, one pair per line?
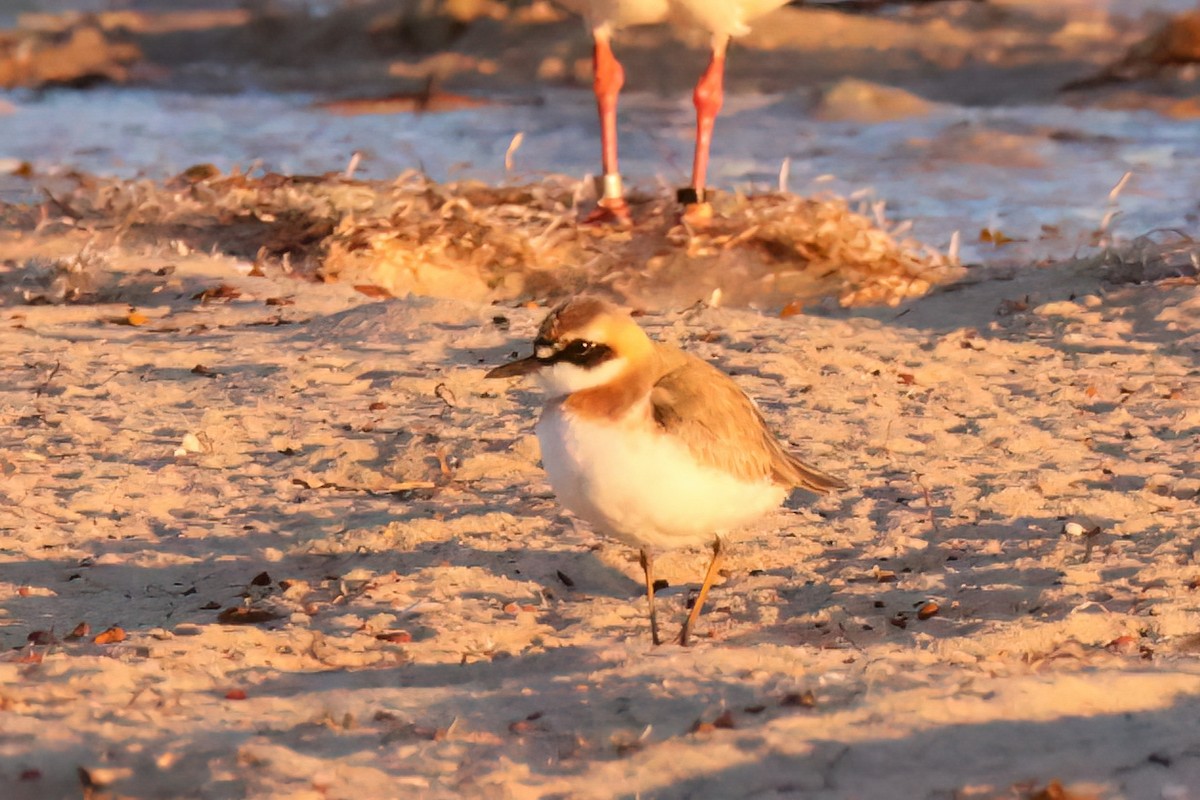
[722,19]
[649,444]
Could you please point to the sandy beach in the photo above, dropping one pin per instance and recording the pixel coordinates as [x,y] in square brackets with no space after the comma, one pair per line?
[267,532]
[339,571]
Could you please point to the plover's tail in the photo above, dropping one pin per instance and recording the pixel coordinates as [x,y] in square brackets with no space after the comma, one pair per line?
[795,472]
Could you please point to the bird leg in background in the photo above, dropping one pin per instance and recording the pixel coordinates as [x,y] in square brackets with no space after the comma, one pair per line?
[648,569]
[708,98]
[607,83]
[704,587]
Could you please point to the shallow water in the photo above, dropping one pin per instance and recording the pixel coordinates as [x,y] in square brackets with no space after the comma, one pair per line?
[1039,174]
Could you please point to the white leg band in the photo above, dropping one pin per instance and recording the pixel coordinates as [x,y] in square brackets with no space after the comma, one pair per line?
[609,187]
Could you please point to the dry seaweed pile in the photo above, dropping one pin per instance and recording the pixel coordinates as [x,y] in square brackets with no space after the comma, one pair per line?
[1158,257]
[479,242]
[72,50]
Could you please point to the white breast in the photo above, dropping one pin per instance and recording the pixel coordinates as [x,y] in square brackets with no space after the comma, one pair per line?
[632,481]
[727,17]
[620,13]
[724,17]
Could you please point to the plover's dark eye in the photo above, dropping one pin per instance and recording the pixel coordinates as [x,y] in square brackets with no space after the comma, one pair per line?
[584,353]
[577,349]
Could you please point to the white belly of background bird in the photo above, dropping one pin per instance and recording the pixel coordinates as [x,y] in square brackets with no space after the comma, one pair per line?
[722,19]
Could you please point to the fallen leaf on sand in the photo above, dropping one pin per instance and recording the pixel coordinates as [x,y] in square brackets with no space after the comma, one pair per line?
[1010,307]
[882,575]
[1056,791]
[791,309]
[370,290]
[238,615]
[133,319]
[993,237]
[111,636]
[1123,645]
[724,721]
[191,444]
[99,777]
[528,725]
[41,637]
[805,699]
[221,291]
[26,655]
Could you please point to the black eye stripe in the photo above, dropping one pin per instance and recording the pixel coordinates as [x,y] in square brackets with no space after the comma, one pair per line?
[580,352]
[577,350]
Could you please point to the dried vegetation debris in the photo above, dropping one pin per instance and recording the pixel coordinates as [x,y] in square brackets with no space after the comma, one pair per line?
[1155,257]
[119,45]
[46,281]
[472,241]
[1175,43]
[77,51]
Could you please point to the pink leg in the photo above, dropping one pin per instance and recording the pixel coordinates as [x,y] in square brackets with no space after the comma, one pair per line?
[609,78]
[708,97]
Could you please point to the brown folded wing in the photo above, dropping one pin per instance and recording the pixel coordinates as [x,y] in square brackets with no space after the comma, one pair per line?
[723,428]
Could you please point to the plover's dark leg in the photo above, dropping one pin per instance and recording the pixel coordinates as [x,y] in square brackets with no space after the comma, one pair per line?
[704,587]
[648,568]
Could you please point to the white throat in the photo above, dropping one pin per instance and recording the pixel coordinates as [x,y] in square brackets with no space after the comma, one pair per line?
[564,378]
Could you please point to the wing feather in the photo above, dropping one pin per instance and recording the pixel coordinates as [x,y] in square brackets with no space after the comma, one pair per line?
[706,410]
